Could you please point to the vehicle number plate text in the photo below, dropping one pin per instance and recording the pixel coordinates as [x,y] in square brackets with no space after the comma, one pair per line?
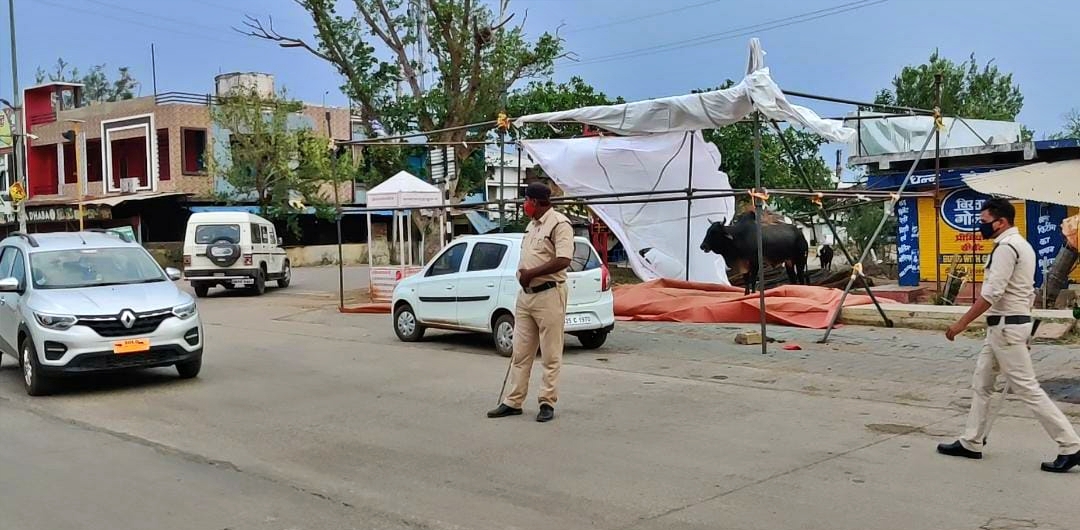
[126,346]
[578,320]
[245,281]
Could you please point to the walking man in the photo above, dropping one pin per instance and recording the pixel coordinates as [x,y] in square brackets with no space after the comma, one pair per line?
[1007,296]
[540,314]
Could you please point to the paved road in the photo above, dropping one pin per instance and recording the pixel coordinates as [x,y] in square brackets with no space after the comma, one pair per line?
[305,418]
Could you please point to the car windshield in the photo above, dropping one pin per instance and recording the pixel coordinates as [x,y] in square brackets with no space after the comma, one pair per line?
[207,234]
[93,267]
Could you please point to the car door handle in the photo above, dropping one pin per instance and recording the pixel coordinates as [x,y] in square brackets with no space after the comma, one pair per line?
[491,286]
[449,287]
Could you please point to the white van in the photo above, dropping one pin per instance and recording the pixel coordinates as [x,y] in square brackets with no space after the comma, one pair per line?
[234,250]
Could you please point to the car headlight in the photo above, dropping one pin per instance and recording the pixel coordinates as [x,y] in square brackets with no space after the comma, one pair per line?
[186,311]
[55,322]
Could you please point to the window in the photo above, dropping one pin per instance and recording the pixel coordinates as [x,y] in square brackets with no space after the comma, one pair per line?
[265,234]
[193,145]
[273,237]
[93,160]
[164,167]
[71,175]
[7,257]
[256,235]
[486,256]
[18,268]
[93,267]
[584,258]
[207,234]
[449,262]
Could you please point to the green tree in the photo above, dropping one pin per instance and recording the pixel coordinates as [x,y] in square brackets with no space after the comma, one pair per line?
[968,90]
[778,171]
[474,59]
[270,161]
[96,83]
[549,96]
[1071,130]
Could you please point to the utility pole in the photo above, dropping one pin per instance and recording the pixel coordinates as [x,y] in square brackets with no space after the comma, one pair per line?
[18,137]
[72,136]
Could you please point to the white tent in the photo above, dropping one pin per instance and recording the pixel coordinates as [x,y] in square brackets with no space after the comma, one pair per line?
[666,155]
[404,190]
[1053,182]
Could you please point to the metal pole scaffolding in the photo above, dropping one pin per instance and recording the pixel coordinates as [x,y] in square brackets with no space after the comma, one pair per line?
[758,211]
[502,180]
[689,201]
[937,195]
[828,220]
[857,271]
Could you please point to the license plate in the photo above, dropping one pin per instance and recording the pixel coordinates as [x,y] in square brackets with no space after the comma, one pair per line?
[578,320]
[246,281]
[126,346]
[219,274]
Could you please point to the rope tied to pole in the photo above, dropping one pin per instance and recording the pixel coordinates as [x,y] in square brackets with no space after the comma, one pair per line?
[503,121]
[762,195]
[939,122]
[856,271]
[817,199]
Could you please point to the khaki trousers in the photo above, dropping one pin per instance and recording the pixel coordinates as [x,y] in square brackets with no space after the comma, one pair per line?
[1006,350]
[539,320]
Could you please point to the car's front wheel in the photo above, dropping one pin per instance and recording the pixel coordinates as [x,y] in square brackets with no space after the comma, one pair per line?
[35,382]
[189,369]
[407,327]
[592,340]
[503,334]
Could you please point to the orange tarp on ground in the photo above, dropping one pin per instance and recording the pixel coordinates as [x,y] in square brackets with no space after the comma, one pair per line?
[663,300]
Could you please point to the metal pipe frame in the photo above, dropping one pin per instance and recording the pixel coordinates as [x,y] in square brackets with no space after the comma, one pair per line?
[828,221]
[760,239]
[689,201]
[866,251]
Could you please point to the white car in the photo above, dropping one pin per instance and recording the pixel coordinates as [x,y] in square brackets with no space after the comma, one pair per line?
[472,286]
[235,250]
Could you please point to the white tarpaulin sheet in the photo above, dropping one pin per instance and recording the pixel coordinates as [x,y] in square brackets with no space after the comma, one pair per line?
[708,110]
[903,134]
[1052,182]
[653,234]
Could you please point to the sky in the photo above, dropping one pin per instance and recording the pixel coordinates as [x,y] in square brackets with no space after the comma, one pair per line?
[849,55]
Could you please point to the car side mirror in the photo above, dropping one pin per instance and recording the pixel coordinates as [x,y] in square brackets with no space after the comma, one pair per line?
[173,274]
[280,241]
[9,285]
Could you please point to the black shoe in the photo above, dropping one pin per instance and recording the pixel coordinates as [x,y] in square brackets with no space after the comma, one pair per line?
[503,411]
[956,449]
[547,413]
[1063,463]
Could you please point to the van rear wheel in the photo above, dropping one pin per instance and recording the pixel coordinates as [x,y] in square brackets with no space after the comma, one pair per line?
[202,290]
[286,276]
[259,288]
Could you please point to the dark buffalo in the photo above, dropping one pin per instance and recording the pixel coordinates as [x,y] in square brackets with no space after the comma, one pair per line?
[737,243]
[826,255]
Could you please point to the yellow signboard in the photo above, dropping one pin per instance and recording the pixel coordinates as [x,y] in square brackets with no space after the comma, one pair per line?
[17,192]
[959,248]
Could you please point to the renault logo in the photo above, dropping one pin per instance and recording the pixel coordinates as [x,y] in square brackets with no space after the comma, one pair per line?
[127,318]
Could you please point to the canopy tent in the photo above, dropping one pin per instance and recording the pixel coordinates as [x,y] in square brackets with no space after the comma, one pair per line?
[707,110]
[401,192]
[1053,182]
[404,190]
[659,237]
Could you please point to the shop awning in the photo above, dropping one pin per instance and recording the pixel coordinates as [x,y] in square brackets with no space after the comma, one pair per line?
[118,199]
[1052,182]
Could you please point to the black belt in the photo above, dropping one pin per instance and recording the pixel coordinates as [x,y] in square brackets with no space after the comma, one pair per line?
[1010,320]
[536,289]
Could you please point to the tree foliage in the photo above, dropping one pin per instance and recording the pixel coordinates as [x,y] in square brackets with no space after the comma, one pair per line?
[1071,130]
[968,90]
[272,161]
[472,58]
[96,83]
[549,96]
[736,144]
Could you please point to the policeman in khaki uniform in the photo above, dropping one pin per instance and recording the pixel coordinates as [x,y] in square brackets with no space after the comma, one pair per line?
[1007,296]
[540,315]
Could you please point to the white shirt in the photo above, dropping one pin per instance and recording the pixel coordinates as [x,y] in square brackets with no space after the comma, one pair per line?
[1009,275]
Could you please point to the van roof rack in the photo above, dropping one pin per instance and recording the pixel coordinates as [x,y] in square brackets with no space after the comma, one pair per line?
[29,238]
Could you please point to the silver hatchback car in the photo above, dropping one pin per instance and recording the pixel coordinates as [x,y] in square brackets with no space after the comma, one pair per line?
[88,302]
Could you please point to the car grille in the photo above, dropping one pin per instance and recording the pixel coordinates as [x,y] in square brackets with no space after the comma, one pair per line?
[157,356]
[114,326]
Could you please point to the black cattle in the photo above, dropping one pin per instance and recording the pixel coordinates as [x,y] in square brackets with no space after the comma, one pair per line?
[826,255]
[737,243]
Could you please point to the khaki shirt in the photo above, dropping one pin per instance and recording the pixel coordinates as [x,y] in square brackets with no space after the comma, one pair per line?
[1009,276]
[549,238]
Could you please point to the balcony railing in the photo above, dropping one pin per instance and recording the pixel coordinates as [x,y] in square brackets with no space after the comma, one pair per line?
[41,118]
[184,98]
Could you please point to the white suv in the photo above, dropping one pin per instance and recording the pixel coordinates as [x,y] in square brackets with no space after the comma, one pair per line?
[86,302]
[472,286]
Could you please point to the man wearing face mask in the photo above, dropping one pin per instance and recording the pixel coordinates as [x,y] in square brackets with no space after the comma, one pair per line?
[1007,296]
[540,315]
